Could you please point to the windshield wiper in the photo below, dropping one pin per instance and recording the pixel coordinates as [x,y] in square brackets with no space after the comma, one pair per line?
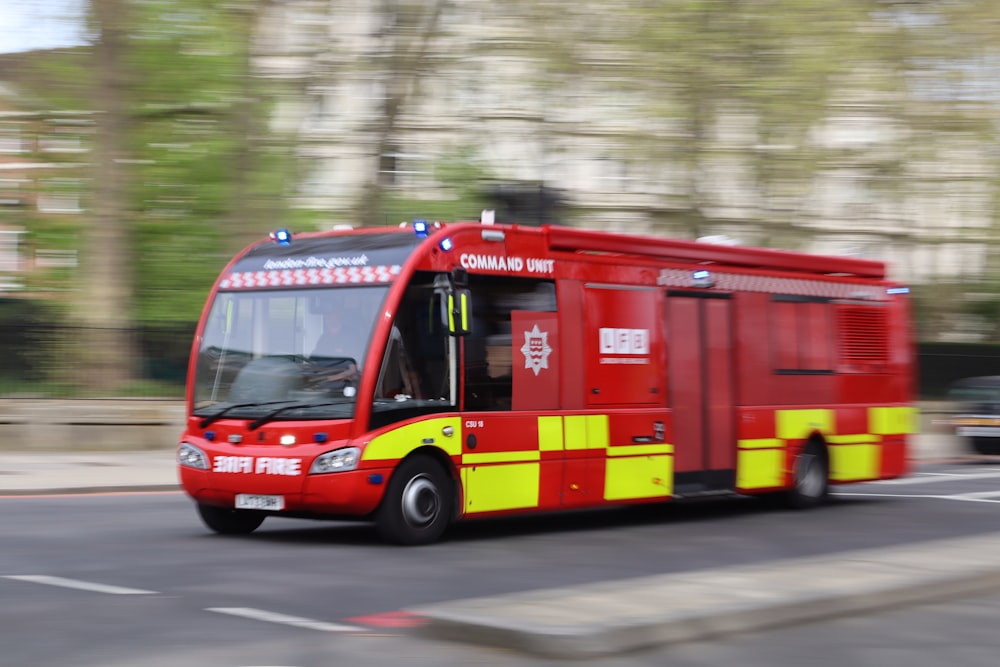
[257,423]
[215,416]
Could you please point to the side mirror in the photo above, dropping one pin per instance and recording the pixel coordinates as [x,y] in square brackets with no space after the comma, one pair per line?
[459,304]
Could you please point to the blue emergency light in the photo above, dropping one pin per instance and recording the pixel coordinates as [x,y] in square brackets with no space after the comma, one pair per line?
[702,278]
[446,244]
[281,236]
[420,228]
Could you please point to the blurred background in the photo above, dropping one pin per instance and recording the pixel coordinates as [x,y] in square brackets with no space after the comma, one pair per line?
[143,142]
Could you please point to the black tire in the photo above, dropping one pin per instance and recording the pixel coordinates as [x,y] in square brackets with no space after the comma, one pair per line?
[418,503]
[810,477]
[985,446]
[226,521]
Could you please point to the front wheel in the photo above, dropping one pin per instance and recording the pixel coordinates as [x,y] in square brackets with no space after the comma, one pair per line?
[810,482]
[227,521]
[418,504]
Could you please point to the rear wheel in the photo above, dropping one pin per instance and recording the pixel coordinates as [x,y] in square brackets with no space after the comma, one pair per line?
[227,521]
[418,503]
[810,477]
[986,446]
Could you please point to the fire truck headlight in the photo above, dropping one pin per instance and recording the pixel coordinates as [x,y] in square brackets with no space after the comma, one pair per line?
[338,460]
[192,457]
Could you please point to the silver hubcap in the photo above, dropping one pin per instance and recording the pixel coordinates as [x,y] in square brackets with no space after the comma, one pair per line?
[421,501]
[809,477]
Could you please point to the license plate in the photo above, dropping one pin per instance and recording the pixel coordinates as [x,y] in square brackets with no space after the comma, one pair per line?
[247,501]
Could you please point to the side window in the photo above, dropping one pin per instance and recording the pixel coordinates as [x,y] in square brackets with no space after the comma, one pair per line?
[802,335]
[397,377]
[416,371]
[488,351]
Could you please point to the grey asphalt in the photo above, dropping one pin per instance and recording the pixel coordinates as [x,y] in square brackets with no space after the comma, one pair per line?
[612,617]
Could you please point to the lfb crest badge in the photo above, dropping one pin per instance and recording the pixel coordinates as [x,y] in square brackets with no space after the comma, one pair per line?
[536,350]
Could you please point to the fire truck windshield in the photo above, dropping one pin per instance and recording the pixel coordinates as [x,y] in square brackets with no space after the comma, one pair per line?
[306,347]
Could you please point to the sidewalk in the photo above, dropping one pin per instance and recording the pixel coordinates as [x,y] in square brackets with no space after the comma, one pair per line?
[614,617]
[87,472]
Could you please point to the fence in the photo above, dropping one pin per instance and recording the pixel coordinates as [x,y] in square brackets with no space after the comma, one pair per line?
[37,361]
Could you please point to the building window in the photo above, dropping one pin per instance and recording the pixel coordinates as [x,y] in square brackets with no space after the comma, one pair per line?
[60,196]
[11,194]
[11,141]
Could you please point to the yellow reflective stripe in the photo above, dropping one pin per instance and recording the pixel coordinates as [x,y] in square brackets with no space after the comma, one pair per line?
[598,432]
[760,468]
[464,299]
[798,424]
[760,443]
[501,487]
[550,434]
[860,438]
[851,462]
[399,442]
[640,450]
[638,477]
[576,431]
[893,421]
[500,457]
[975,421]
[586,431]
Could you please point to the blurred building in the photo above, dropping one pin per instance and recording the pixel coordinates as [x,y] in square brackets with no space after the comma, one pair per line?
[388,100]
[43,163]
[387,90]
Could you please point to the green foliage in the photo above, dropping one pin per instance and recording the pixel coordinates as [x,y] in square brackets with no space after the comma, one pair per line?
[199,168]
[25,338]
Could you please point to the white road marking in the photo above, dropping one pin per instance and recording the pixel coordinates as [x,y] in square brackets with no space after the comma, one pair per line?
[284,619]
[931,477]
[79,585]
[983,497]
[978,496]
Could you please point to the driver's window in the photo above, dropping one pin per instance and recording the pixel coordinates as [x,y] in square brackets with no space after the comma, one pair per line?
[415,376]
[396,378]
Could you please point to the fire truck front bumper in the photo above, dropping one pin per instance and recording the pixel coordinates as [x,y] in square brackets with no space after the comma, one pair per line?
[355,493]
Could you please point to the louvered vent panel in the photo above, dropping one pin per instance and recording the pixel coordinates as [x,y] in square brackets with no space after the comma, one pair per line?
[864,338]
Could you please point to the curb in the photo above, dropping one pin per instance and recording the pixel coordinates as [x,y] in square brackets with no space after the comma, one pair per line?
[616,617]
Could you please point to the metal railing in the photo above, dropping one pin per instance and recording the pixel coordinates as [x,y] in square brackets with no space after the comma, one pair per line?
[42,360]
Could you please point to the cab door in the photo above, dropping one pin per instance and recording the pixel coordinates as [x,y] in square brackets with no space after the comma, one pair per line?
[511,449]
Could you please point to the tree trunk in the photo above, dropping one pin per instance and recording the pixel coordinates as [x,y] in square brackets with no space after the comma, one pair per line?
[407,61]
[104,306]
[246,216]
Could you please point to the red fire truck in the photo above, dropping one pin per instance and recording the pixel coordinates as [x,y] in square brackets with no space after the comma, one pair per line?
[419,375]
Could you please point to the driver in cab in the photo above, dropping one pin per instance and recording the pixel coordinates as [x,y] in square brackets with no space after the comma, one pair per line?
[333,358]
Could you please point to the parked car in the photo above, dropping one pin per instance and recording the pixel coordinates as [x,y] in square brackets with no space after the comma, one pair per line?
[978,412]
